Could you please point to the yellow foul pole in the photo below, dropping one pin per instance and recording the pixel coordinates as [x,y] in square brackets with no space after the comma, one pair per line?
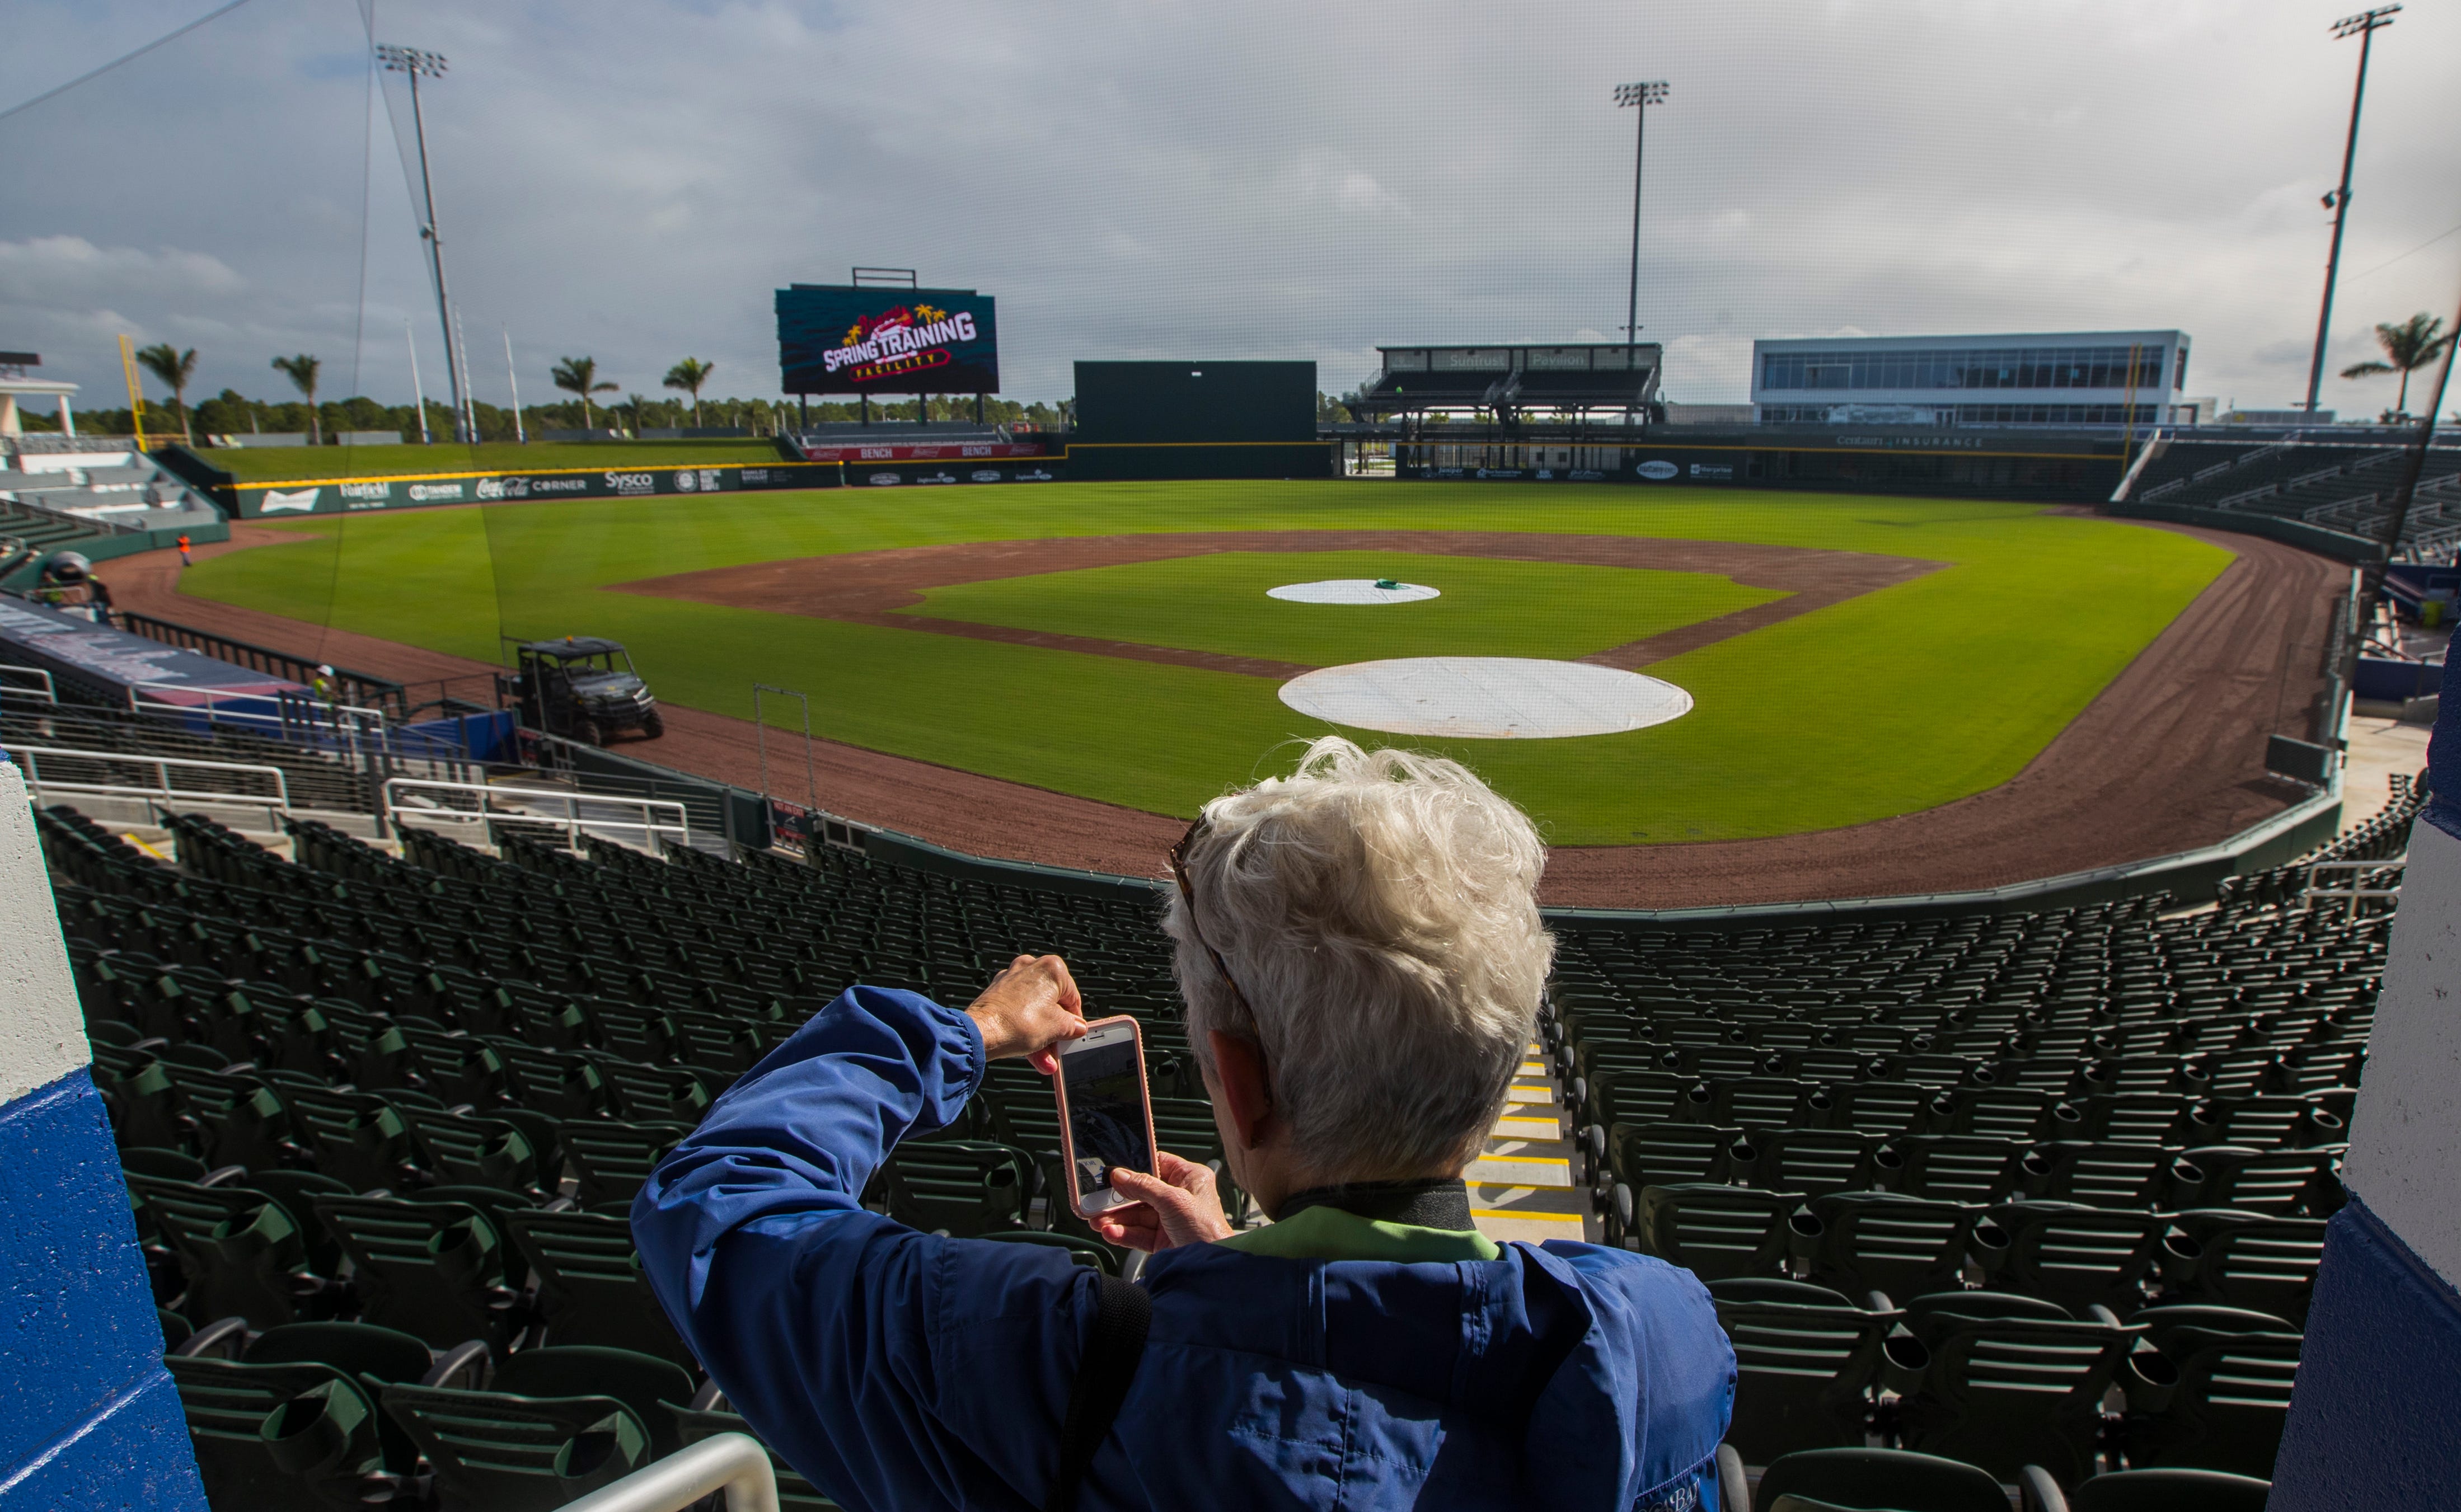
[135,394]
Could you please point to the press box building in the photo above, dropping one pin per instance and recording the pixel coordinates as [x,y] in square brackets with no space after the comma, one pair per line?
[2068,378]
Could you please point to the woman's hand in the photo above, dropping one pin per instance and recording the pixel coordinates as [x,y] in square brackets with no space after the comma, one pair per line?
[1181,1208]
[1028,1009]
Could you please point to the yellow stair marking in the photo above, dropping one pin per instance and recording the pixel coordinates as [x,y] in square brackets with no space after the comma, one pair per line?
[1522,1184]
[1520,1170]
[1510,1127]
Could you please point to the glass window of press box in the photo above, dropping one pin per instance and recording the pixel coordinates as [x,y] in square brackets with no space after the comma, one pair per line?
[2031,367]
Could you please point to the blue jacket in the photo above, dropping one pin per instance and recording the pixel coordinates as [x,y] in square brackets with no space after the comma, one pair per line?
[901,1372]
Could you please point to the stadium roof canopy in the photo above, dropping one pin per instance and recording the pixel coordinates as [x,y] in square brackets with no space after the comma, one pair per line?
[1510,379]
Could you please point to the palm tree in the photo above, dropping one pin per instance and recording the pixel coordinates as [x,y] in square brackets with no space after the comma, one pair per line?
[2411,345]
[689,375]
[175,367]
[301,371]
[580,375]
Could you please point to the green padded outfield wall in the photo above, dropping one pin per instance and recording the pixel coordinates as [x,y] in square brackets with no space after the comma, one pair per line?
[1196,419]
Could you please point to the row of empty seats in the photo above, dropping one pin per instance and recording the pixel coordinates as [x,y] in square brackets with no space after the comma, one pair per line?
[413,1094]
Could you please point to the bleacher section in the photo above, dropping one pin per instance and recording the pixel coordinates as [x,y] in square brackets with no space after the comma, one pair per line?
[2346,488]
[54,499]
[1951,1180]
[1507,381]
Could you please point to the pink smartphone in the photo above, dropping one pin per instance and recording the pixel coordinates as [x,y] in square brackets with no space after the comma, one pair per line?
[1106,1112]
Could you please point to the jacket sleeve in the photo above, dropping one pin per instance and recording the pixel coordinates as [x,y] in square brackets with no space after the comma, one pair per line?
[893,1368]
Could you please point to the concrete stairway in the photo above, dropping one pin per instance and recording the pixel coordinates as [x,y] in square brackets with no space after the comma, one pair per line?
[1522,1187]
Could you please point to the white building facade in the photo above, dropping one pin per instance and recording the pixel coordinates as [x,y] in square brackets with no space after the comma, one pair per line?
[2099,379]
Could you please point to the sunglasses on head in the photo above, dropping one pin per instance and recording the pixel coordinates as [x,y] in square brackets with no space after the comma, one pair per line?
[1188,898]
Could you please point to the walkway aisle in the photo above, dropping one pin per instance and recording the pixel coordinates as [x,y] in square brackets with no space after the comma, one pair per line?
[1522,1187]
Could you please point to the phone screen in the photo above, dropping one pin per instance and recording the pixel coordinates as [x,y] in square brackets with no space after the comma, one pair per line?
[1106,1112]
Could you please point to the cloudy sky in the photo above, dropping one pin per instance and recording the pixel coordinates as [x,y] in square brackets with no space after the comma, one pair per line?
[632,179]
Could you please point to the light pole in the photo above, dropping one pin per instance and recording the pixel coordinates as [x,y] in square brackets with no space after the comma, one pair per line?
[2363,25]
[1639,97]
[416,63]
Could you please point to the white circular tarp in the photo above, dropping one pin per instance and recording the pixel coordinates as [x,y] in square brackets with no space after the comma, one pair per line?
[1485,697]
[1351,591]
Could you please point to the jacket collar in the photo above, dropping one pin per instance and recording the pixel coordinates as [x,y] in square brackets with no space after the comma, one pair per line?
[1436,1202]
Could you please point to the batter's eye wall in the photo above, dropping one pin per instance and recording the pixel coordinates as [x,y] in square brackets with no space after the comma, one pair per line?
[1196,419]
[1151,404]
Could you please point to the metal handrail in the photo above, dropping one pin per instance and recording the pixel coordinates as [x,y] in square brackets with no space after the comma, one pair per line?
[28,756]
[652,832]
[49,692]
[2310,892]
[733,1463]
[360,733]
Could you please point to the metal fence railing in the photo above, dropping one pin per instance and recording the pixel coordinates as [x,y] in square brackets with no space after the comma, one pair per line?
[734,1463]
[90,775]
[485,807]
[49,692]
[364,689]
[2384,875]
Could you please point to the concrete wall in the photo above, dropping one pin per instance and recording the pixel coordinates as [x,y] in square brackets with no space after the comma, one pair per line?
[88,1416]
[2337,545]
[2373,1416]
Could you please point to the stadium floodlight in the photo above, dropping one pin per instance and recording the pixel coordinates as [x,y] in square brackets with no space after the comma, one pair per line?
[418,63]
[1639,97]
[2363,25]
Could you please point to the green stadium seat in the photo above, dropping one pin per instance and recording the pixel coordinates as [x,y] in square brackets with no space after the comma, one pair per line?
[1882,1241]
[2005,1392]
[2233,1397]
[1808,1364]
[239,1252]
[959,1187]
[1858,1479]
[613,1158]
[434,1271]
[1716,1232]
[591,1288]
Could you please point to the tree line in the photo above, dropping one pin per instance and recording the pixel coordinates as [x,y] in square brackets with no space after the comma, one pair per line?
[231,413]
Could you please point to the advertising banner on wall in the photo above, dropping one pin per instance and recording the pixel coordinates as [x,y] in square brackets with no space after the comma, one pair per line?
[836,338]
[931,475]
[1964,465]
[272,501]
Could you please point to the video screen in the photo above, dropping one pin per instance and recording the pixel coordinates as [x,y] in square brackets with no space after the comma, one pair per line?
[1107,1113]
[835,338]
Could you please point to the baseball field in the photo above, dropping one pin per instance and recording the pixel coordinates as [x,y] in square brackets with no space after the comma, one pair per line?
[1849,659]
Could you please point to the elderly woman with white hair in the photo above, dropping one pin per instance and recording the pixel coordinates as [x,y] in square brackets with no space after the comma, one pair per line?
[1361,956]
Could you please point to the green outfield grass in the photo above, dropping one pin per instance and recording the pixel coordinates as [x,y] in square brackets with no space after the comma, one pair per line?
[257,464]
[1217,603]
[1894,702]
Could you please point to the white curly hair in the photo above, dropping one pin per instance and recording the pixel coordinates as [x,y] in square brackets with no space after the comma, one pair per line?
[1379,912]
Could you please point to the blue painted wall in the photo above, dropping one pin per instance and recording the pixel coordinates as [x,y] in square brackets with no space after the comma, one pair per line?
[88,1416]
[2376,1417]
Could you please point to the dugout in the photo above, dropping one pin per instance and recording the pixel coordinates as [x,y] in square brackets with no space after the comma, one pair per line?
[1196,419]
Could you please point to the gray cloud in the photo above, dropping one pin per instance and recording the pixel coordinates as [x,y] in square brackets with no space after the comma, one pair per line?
[632,179]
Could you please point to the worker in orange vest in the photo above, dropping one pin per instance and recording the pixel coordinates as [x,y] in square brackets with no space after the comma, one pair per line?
[185,560]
